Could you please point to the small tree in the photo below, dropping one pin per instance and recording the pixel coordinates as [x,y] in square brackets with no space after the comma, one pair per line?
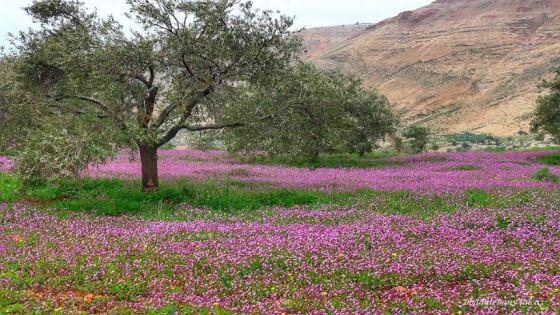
[547,115]
[96,90]
[315,111]
[417,138]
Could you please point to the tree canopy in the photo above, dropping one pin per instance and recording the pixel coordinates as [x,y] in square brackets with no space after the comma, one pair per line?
[141,90]
[546,118]
[314,111]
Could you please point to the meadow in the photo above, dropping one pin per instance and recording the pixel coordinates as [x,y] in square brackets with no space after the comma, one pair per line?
[441,233]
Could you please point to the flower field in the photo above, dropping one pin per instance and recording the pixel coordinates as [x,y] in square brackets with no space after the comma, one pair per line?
[489,244]
[433,173]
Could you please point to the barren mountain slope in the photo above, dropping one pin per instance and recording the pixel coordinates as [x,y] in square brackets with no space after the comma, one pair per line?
[455,64]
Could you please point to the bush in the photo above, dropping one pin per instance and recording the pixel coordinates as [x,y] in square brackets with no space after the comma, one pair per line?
[545,175]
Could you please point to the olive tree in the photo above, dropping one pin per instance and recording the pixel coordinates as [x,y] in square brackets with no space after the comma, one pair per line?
[308,111]
[547,115]
[98,89]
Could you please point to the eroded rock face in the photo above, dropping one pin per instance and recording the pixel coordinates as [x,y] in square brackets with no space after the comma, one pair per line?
[456,64]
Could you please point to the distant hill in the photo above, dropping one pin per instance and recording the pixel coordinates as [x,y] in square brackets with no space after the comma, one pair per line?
[457,65]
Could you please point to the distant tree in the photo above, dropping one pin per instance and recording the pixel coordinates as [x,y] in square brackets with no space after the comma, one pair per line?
[371,119]
[417,138]
[398,143]
[316,111]
[94,90]
[546,118]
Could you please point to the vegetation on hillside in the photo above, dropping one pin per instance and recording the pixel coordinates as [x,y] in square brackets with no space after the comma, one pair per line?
[546,120]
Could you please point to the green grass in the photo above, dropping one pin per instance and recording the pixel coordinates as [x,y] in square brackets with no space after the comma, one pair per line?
[233,198]
[346,160]
[479,198]
[504,148]
[117,197]
[544,148]
[465,167]
[496,149]
[544,175]
[409,203]
[9,188]
[553,159]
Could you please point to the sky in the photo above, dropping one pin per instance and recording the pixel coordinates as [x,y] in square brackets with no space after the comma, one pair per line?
[308,13]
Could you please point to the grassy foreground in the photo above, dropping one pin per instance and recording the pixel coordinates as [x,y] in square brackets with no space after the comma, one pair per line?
[232,198]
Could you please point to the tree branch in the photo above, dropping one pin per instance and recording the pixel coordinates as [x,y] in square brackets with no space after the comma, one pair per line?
[83,98]
[165,114]
[189,69]
[213,127]
[148,82]
[171,133]
[76,111]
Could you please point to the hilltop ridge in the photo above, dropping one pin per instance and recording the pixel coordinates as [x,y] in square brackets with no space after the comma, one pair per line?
[456,65]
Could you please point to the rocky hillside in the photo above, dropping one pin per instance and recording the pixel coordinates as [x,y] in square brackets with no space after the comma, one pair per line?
[457,65]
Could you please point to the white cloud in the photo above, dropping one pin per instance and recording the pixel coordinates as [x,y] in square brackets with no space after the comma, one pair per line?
[309,13]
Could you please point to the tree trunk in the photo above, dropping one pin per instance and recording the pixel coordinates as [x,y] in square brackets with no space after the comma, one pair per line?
[149,158]
[313,155]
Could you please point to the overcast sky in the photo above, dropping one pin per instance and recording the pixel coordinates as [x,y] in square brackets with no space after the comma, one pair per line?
[308,13]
